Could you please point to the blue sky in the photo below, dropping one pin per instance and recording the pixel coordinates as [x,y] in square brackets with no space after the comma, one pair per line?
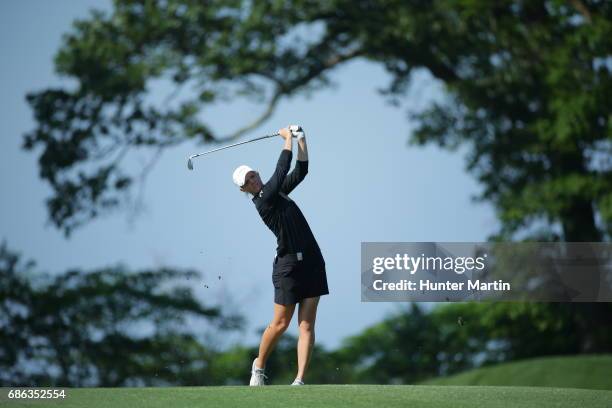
[365,184]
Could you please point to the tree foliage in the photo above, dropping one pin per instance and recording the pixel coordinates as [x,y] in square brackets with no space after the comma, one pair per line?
[527,90]
[108,327]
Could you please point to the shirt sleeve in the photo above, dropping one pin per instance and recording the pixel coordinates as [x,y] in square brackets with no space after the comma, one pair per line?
[295,177]
[273,186]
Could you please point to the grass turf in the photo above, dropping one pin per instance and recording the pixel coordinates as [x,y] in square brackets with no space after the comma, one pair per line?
[591,372]
[353,396]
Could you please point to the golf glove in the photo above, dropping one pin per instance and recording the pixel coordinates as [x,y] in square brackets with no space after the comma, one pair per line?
[297,131]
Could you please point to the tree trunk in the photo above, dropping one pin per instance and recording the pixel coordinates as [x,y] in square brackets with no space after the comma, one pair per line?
[579,223]
[589,318]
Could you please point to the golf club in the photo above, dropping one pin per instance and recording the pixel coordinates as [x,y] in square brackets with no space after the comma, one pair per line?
[295,132]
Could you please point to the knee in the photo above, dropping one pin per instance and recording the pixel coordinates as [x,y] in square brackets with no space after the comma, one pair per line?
[279,325]
[307,327]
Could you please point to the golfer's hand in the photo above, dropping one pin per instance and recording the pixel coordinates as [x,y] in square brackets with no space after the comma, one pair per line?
[285,133]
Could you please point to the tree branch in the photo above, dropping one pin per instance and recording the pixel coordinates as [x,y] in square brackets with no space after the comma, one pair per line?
[138,204]
[267,113]
[282,90]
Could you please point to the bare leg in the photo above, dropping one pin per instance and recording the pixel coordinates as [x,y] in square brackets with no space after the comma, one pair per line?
[280,322]
[307,314]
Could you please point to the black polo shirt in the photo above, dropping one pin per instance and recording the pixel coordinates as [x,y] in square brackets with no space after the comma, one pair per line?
[282,215]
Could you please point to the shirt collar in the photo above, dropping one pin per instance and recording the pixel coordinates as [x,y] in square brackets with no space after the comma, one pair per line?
[258,195]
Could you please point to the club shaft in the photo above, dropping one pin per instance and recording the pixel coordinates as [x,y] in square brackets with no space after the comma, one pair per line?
[232,145]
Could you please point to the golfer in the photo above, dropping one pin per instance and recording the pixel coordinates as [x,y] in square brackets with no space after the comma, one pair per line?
[298,271]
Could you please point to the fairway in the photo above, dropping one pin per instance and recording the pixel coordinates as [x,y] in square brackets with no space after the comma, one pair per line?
[353,396]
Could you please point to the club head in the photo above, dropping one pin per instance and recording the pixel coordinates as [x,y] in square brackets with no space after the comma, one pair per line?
[189,164]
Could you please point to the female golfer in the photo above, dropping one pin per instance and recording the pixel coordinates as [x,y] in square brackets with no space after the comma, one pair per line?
[298,271]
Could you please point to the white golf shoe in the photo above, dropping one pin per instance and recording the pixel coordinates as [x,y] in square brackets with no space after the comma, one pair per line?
[257,375]
[297,381]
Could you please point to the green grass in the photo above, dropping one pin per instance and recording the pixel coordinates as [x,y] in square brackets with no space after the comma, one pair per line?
[592,372]
[577,381]
[337,396]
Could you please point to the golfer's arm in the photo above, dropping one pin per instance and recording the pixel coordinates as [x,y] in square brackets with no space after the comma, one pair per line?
[299,171]
[274,184]
[288,144]
[302,150]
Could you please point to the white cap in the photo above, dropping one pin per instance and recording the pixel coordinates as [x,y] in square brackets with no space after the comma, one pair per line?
[240,174]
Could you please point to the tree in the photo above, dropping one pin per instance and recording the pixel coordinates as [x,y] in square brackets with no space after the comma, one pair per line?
[527,89]
[108,327]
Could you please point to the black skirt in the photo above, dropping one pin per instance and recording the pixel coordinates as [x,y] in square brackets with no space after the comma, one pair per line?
[295,279]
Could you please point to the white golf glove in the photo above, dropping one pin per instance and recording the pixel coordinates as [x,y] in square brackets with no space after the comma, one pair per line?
[297,131]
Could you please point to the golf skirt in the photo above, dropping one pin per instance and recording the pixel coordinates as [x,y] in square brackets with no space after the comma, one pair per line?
[296,279]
